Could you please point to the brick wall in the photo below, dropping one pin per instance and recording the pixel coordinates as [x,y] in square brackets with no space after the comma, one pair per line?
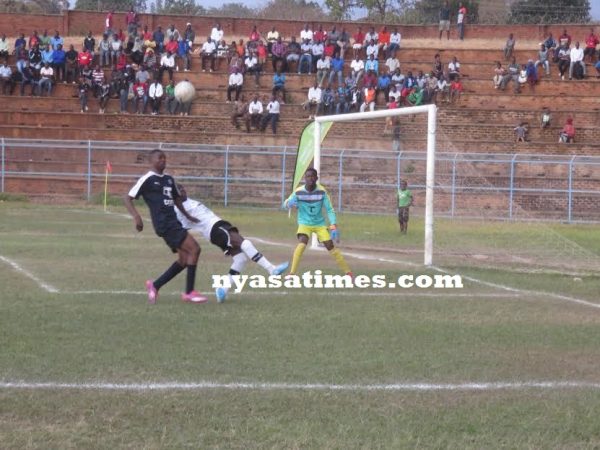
[77,22]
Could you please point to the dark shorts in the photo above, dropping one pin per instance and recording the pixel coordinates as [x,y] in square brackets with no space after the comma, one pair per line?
[403,214]
[174,236]
[219,235]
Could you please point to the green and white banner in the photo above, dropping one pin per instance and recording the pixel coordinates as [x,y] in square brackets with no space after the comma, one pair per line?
[306,150]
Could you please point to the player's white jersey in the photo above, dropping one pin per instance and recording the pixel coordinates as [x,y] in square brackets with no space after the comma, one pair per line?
[206,217]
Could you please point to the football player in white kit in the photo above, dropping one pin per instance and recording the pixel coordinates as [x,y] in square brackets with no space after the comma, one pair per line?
[225,236]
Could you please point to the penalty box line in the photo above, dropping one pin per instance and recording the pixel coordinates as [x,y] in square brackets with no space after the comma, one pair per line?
[265,386]
[18,268]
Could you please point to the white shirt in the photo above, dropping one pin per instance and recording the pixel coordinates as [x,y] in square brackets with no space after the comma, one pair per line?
[4,45]
[306,34]
[314,94]
[460,18]
[250,62]
[209,47]
[116,45]
[395,38]
[392,64]
[5,71]
[272,36]
[155,91]
[454,67]
[317,49]
[576,54]
[216,35]
[255,107]
[371,36]
[47,72]
[236,79]
[357,65]
[167,61]
[206,218]
[372,50]
[323,64]
[273,107]
[395,94]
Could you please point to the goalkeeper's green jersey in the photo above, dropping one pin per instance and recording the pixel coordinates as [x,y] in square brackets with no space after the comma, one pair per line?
[404,198]
[310,206]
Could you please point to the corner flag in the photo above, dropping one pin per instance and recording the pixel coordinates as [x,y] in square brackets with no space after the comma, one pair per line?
[306,150]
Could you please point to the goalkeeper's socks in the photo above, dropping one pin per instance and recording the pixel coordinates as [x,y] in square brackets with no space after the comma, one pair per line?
[251,252]
[169,274]
[339,259]
[297,256]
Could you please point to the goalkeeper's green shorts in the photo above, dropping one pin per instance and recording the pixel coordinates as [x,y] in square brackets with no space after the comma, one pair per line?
[321,231]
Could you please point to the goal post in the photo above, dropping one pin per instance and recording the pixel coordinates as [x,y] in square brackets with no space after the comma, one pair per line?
[431,111]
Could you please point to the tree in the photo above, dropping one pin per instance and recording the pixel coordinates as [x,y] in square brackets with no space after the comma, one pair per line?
[232,10]
[292,10]
[106,5]
[183,7]
[550,11]
[30,6]
[341,9]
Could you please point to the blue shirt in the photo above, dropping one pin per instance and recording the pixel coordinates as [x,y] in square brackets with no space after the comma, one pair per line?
[20,42]
[372,65]
[384,81]
[58,56]
[183,48]
[310,206]
[56,41]
[278,79]
[337,64]
[47,56]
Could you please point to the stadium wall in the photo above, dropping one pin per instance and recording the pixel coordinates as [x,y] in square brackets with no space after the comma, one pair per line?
[76,23]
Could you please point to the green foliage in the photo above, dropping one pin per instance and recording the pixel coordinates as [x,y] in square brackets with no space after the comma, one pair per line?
[232,10]
[30,6]
[292,10]
[184,7]
[6,197]
[341,9]
[550,11]
[106,5]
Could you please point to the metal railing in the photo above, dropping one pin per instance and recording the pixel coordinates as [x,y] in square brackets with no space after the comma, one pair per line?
[500,186]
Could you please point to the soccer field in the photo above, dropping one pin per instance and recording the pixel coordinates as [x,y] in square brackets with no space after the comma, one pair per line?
[510,360]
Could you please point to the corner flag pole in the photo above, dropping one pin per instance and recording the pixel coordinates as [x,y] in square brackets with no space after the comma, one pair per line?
[106,172]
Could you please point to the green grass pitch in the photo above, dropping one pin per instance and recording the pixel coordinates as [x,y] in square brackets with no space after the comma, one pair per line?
[97,328]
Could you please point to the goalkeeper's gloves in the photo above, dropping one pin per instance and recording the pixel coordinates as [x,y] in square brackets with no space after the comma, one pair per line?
[291,203]
[334,233]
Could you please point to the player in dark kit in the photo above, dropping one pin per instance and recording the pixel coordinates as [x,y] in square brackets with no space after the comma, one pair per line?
[161,195]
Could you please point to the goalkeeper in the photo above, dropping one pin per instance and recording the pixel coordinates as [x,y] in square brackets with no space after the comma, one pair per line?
[310,200]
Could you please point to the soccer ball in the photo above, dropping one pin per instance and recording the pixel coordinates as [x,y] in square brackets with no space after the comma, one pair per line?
[185,92]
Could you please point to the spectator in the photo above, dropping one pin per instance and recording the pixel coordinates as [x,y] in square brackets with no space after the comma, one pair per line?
[314,98]
[183,52]
[543,60]
[84,59]
[320,35]
[72,71]
[323,66]
[155,94]
[371,36]
[343,42]
[337,68]
[445,20]
[357,67]
[251,65]
[278,52]
[253,38]
[292,54]
[255,110]
[523,75]
[431,88]
[550,44]
[6,85]
[216,34]
[395,39]
[317,51]
[172,46]
[521,132]
[531,73]
[34,40]
[123,90]
[415,98]
[393,94]
[509,47]
[384,41]
[236,82]
[104,48]
[368,98]
[421,80]
[159,39]
[142,75]
[97,79]
[499,74]
[235,63]
[443,89]
[327,102]
[104,96]
[453,68]
[56,40]
[209,51]
[20,42]
[456,90]
[383,85]
[564,61]
[116,47]
[372,65]
[565,39]
[261,55]
[461,19]
[170,96]
[306,34]
[272,37]
[121,61]
[590,45]
[241,110]
[22,57]
[279,85]
[140,92]
[131,20]
[189,36]
[89,44]
[108,23]
[339,100]
[59,63]
[306,58]
[82,92]
[44,41]
[372,49]
[47,56]
[545,118]
[167,63]
[172,33]
[567,135]
[222,53]
[137,50]
[513,74]
[272,116]
[370,78]
[438,67]
[35,58]
[359,39]
[576,57]
[148,38]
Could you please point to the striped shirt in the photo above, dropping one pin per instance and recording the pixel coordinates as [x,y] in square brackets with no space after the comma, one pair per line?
[310,206]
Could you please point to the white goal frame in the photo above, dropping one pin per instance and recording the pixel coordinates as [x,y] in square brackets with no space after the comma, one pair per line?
[431,111]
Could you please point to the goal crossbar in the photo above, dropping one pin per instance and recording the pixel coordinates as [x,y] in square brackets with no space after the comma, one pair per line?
[431,111]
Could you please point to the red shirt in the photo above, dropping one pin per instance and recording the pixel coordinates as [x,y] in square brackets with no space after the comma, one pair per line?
[140,89]
[122,61]
[569,129]
[456,86]
[254,36]
[147,36]
[320,36]
[109,20]
[359,37]
[384,37]
[131,17]
[261,50]
[329,50]
[591,41]
[84,58]
[172,47]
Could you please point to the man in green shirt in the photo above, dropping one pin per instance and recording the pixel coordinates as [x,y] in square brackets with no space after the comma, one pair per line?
[405,201]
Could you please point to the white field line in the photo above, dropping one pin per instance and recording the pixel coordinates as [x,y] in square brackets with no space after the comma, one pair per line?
[406,295]
[258,386]
[45,286]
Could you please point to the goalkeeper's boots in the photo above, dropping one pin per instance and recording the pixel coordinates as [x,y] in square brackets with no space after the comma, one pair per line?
[278,270]
[221,294]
